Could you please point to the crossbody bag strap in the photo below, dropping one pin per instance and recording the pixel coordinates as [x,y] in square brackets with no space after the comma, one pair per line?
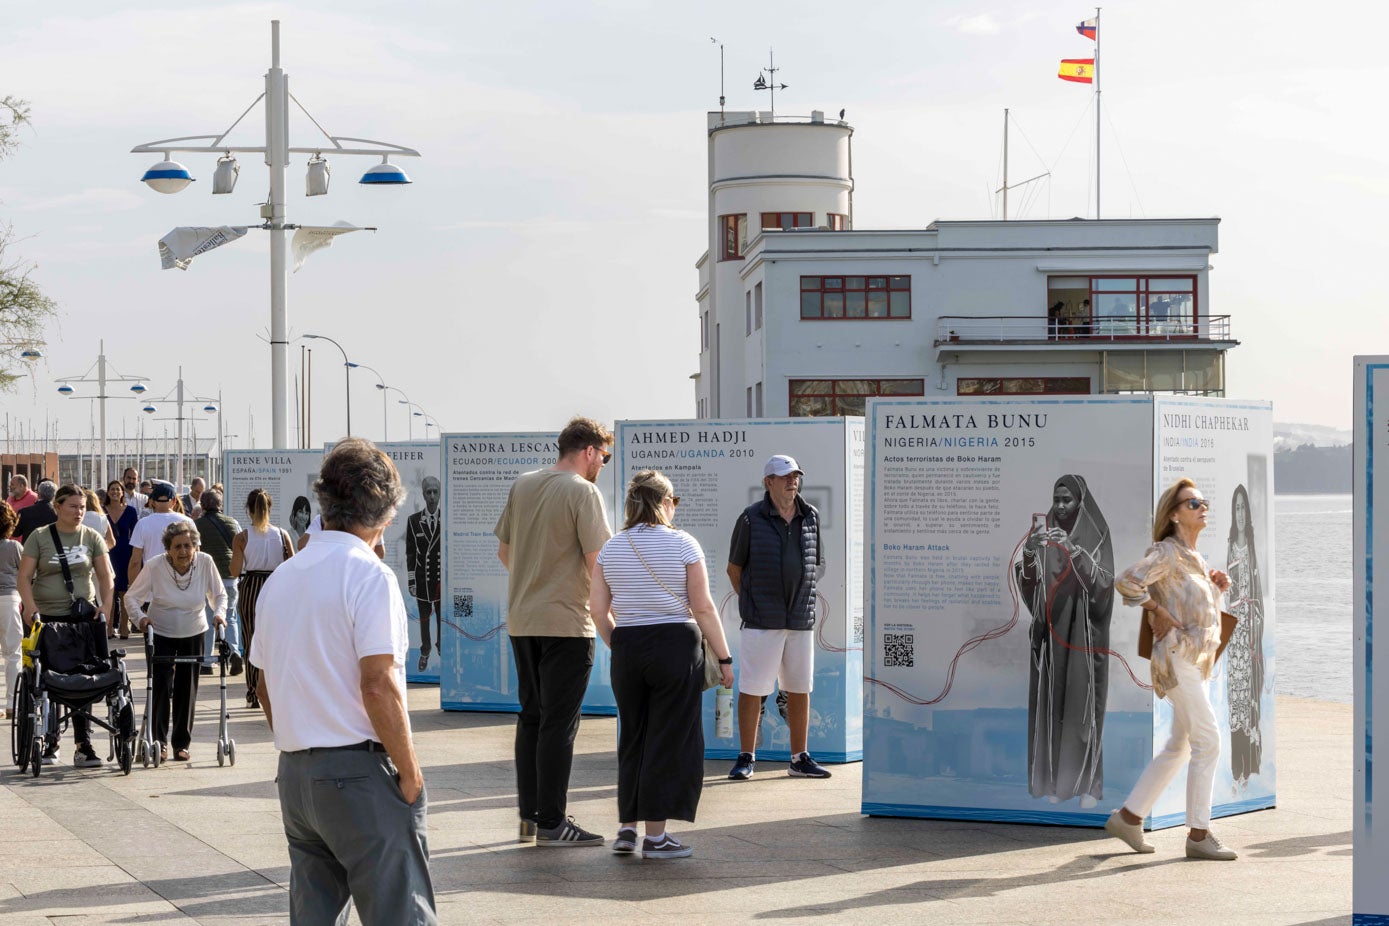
[221,529]
[653,575]
[63,560]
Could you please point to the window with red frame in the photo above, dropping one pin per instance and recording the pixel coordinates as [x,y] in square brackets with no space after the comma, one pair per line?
[1023,385]
[815,398]
[837,221]
[785,220]
[855,297]
[733,236]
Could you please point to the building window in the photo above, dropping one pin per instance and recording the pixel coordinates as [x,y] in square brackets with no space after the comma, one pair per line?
[747,311]
[1024,385]
[814,398]
[703,332]
[748,413]
[856,297]
[733,231]
[837,221]
[757,307]
[1132,307]
[758,408]
[1184,372]
[780,221]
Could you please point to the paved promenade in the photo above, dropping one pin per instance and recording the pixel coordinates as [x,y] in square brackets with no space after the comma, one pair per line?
[195,843]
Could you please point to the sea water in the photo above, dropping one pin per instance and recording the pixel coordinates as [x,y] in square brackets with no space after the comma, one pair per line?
[1315,624]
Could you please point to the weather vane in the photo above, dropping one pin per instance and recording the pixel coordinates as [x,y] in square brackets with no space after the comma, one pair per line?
[766,80]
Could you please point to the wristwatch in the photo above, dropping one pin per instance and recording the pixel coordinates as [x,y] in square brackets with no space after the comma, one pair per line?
[726,662]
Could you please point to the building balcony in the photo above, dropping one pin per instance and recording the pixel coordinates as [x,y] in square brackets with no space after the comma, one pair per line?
[1099,332]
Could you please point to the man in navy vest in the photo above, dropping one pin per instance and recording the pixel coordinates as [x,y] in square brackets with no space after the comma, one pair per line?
[774,560]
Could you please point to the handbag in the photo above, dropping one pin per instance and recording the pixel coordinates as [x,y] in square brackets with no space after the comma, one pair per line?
[1145,635]
[713,673]
[81,609]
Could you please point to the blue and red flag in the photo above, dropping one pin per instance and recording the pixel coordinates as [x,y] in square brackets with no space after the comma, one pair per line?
[1089,28]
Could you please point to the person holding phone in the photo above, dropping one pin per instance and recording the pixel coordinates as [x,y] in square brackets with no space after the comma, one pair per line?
[1066,578]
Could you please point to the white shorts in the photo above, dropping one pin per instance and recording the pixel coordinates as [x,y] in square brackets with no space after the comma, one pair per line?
[786,657]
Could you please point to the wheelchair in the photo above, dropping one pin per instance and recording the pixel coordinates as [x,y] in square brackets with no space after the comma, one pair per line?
[66,674]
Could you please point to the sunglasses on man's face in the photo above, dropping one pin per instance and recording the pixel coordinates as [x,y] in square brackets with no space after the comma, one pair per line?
[607,457]
[1197,503]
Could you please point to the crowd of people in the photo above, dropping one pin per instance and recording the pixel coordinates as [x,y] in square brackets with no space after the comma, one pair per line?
[325,634]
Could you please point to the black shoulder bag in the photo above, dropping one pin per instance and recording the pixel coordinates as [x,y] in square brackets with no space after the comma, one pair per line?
[82,609]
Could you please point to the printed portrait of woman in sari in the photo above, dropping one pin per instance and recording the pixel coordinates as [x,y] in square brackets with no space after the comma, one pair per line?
[1244,657]
[1066,578]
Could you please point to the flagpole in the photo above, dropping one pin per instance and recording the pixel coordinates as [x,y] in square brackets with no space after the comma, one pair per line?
[1097,112]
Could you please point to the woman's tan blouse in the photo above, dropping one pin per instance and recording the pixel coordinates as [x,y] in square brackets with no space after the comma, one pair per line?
[1177,578]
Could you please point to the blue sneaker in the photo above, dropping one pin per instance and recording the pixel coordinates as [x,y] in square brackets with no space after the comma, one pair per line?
[803,766]
[742,769]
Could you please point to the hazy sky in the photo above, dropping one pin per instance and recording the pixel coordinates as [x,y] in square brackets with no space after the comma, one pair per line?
[543,262]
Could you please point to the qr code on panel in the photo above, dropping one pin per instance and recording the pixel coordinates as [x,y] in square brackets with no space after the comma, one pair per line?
[856,635]
[899,649]
[462,606]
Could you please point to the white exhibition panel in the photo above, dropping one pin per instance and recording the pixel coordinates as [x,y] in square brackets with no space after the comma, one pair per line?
[288,475]
[716,469]
[478,672]
[1226,447]
[1002,683]
[1370,903]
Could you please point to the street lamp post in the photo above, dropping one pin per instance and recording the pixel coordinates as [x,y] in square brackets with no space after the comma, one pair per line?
[347,366]
[180,398]
[102,378]
[170,177]
[403,400]
[381,385]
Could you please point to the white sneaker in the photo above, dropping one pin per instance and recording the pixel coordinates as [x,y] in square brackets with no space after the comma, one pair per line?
[1131,833]
[1210,849]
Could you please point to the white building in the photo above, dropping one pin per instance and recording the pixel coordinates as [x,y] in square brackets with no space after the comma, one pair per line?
[801,314]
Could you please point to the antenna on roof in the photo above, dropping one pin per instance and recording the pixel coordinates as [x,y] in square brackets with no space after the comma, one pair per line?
[766,80]
[720,44]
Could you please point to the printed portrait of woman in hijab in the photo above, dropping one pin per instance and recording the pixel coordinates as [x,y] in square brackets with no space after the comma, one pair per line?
[1066,578]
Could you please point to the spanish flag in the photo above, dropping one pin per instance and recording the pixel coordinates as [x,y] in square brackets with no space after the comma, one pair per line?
[1079,70]
[1089,28]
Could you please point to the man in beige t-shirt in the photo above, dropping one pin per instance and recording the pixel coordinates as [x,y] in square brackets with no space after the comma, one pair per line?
[549,536]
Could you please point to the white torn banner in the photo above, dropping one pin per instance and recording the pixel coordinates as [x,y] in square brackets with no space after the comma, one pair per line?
[310,238]
[180,246]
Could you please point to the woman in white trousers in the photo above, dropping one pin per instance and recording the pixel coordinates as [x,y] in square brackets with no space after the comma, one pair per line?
[1180,597]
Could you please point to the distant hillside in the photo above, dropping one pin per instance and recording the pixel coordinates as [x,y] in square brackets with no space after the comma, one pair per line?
[1312,470]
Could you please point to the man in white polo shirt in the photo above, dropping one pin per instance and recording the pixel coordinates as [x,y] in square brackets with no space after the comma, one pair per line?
[330,643]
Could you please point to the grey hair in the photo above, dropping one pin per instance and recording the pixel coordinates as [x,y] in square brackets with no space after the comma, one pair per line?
[358,487]
[46,490]
[176,529]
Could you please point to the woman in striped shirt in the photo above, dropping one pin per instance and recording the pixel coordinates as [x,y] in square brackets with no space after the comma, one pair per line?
[651,604]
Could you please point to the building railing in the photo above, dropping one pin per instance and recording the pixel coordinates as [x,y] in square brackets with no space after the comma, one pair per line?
[1099,329]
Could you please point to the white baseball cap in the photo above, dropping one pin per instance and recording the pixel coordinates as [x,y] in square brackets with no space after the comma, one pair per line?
[781,465]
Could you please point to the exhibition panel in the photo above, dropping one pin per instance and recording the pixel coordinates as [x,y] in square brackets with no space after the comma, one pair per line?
[716,469]
[1002,676]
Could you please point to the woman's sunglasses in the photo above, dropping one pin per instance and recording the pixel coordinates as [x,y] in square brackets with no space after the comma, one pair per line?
[1197,503]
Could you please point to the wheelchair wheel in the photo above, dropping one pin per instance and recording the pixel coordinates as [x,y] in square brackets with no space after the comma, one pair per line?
[125,753]
[231,752]
[20,732]
[221,753]
[36,756]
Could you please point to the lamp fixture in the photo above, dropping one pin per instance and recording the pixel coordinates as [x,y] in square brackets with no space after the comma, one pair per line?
[31,353]
[385,173]
[167,176]
[210,408]
[150,409]
[65,389]
[138,388]
[224,177]
[316,180]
